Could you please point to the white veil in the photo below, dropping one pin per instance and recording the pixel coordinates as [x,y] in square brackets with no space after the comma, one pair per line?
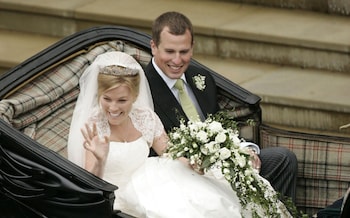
[87,103]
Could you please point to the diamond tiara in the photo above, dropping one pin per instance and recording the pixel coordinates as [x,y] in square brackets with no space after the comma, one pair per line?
[117,70]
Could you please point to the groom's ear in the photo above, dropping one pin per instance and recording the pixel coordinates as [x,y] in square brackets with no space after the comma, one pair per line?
[153,46]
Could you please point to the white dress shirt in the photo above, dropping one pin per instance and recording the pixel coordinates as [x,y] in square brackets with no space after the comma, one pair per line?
[171,82]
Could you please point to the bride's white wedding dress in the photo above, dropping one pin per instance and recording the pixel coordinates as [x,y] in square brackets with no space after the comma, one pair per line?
[162,187]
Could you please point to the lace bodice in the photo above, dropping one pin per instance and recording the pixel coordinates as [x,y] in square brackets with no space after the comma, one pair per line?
[125,157]
[147,122]
[144,120]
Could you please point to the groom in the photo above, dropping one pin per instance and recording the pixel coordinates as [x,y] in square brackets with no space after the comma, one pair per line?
[172,47]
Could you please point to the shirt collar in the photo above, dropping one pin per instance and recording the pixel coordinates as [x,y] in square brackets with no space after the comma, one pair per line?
[170,82]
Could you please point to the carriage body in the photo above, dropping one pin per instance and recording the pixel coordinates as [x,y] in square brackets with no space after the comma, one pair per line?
[36,107]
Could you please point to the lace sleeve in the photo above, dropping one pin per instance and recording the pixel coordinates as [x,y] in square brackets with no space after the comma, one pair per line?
[147,122]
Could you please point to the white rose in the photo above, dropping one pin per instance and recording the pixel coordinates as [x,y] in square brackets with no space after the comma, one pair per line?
[241,161]
[224,153]
[211,147]
[215,126]
[193,127]
[221,137]
[204,150]
[202,136]
[200,125]
[234,138]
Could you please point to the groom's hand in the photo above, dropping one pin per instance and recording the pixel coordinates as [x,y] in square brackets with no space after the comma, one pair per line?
[256,162]
[192,166]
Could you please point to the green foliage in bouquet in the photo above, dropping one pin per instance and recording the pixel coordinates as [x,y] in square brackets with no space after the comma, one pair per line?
[209,145]
[214,143]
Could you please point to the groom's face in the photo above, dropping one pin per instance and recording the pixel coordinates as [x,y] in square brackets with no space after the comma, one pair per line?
[174,53]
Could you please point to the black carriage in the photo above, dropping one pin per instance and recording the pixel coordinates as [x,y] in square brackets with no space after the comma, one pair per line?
[37,101]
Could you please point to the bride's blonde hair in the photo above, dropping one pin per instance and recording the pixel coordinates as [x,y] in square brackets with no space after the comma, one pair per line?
[113,76]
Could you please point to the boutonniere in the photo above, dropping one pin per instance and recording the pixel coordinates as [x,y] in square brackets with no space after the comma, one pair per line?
[199,81]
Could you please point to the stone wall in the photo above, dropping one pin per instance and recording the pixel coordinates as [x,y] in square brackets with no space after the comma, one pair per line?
[340,7]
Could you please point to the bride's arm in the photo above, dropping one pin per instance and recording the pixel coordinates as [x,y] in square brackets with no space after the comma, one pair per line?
[160,143]
[93,165]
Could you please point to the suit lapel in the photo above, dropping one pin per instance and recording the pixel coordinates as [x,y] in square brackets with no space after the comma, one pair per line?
[201,95]
[165,103]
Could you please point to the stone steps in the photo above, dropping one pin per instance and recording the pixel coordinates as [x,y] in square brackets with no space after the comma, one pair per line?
[297,61]
[231,30]
[307,100]
[324,6]
[17,46]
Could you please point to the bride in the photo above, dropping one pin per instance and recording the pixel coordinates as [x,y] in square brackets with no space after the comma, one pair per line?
[112,130]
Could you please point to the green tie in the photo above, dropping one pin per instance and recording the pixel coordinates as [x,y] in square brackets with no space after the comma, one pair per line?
[186,102]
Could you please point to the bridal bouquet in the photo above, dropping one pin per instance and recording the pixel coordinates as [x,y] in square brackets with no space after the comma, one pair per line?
[210,146]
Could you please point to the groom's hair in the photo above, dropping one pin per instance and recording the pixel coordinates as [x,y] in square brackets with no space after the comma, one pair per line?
[176,22]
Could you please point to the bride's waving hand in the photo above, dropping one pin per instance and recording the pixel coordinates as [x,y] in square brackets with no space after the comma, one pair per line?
[97,149]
